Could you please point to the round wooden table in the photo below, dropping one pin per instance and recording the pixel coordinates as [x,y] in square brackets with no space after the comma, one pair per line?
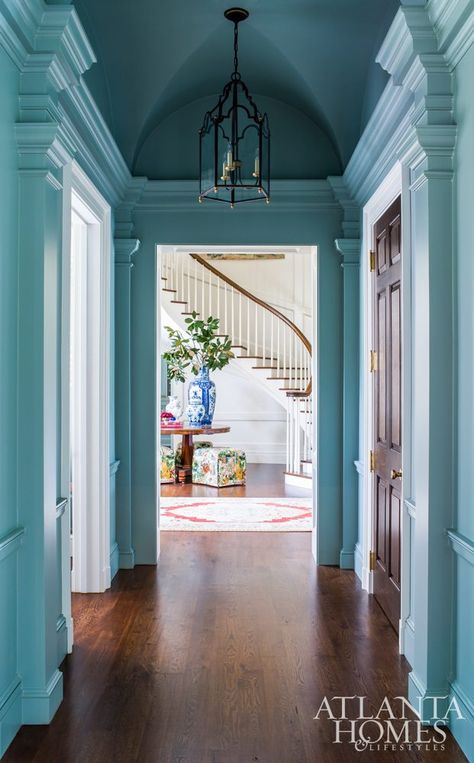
[187,446]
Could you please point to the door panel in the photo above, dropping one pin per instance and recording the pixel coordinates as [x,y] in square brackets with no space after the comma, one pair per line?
[388,413]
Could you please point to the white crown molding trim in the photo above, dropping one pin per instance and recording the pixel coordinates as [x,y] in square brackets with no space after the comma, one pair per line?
[179,195]
[453,23]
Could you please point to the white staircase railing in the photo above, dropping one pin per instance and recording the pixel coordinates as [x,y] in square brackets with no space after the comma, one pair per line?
[258,331]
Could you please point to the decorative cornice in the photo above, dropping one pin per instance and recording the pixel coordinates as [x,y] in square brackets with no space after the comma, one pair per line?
[125,248]
[11,542]
[413,120]
[349,248]
[461,545]
[43,146]
[287,195]
[453,23]
[350,208]
[52,52]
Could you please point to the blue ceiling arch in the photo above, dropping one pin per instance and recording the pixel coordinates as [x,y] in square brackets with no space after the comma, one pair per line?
[203,75]
[158,56]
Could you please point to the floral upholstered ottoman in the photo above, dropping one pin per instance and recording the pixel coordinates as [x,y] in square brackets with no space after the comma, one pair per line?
[196,446]
[168,466]
[219,467]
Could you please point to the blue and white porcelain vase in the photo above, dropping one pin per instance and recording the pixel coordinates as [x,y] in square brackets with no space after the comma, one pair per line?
[201,394]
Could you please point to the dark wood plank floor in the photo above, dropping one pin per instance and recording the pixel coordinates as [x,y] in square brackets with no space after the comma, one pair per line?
[263,481]
[222,654]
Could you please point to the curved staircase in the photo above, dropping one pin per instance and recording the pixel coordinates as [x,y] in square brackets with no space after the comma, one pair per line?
[266,344]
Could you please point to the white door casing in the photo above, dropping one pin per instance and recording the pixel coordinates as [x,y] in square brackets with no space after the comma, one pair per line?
[86,323]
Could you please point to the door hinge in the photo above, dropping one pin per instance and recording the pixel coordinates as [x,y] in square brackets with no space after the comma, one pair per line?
[373,361]
[371,260]
[371,461]
[372,561]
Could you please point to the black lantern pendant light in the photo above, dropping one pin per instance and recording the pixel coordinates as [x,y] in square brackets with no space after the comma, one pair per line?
[234,140]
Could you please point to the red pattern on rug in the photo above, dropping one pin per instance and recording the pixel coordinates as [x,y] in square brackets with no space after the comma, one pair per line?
[237,514]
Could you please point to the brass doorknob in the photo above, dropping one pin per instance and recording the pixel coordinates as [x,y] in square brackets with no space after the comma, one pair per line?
[395,473]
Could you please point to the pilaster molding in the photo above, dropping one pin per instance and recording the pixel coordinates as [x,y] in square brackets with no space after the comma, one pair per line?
[125,248]
[43,146]
[349,249]
[350,208]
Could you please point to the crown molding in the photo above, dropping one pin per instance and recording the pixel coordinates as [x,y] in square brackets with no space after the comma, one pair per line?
[182,195]
[413,120]
[453,24]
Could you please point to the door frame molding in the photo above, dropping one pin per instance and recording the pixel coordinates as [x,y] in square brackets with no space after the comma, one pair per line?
[80,194]
[313,250]
[395,184]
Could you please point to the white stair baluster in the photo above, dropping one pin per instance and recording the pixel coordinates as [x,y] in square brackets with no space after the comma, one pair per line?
[240,319]
[248,326]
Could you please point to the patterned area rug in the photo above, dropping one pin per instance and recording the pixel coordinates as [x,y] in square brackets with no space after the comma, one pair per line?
[236,514]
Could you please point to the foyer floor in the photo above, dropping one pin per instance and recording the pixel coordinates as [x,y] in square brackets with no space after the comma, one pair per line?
[221,654]
[263,481]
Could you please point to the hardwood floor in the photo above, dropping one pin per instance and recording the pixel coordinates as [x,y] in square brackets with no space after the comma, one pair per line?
[221,654]
[263,481]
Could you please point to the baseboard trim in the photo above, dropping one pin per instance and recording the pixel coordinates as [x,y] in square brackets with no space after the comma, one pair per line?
[10,713]
[40,705]
[463,729]
[408,628]
[421,698]
[127,559]
[346,560]
[114,560]
[358,562]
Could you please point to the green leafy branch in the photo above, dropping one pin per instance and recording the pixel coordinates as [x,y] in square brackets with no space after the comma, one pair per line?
[198,346]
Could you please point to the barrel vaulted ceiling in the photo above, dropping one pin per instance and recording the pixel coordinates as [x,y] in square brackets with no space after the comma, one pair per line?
[309,63]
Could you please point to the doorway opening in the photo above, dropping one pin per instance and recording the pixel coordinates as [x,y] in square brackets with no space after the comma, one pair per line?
[386,523]
[254,469]
[85,386]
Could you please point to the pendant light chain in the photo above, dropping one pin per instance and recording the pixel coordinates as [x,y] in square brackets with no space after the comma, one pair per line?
[236,48]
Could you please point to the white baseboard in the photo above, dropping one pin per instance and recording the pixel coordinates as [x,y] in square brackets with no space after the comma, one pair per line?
[296,481]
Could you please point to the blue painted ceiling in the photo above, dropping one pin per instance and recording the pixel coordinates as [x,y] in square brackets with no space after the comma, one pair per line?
[310,61]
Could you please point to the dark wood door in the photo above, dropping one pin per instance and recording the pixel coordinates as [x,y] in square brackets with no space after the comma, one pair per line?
[388,418]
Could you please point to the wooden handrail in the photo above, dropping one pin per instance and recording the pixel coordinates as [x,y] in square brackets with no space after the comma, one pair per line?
[296,330]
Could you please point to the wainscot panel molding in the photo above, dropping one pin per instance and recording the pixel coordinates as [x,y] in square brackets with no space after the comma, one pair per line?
[61,505]
[463,729]
[461,545]
[114,468]
[11,542]
[10,713]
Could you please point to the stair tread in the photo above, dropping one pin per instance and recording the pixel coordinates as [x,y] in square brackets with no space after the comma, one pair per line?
[178,302]
[172,290]
[299,474]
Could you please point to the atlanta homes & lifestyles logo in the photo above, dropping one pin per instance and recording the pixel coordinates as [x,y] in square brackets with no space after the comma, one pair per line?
[396,725]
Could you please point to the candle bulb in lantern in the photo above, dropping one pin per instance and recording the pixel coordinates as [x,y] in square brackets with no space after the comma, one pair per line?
[256,172]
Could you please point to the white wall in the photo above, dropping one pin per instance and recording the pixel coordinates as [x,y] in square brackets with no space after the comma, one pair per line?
[284,284]
[257,421]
